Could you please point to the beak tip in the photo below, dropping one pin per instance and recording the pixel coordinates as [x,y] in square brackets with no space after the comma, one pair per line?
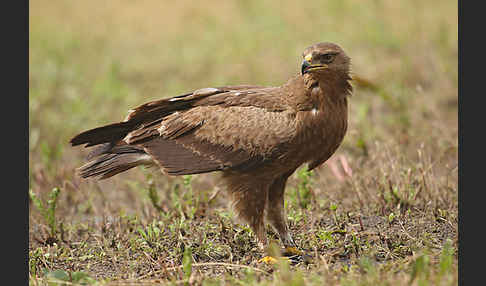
[305,66]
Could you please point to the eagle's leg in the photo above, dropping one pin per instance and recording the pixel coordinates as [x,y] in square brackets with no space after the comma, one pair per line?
[250,208]
[276,211]
[248,196]
[276,217]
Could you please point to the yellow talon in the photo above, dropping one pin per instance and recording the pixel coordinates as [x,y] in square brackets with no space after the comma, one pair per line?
[290,254]
[271,260]
[295,255]
[268,260]
[289,251]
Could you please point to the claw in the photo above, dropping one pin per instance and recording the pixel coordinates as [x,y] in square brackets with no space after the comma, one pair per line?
[295,255]
[290,251]
[268,260]
[291,254]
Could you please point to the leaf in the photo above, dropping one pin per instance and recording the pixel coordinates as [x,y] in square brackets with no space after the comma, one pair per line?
[58,274]
[37,202]
[82,278]
[420,269]
[333,207]
[51,209]
[187,262]
[446,257]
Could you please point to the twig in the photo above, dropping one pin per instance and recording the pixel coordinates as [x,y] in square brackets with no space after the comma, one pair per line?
[360,223]
[405,231]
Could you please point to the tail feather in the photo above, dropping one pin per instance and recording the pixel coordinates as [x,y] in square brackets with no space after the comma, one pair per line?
[108,133]
[117,161]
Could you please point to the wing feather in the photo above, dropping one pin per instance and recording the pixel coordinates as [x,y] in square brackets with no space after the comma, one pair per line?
[211,138]
[205,130]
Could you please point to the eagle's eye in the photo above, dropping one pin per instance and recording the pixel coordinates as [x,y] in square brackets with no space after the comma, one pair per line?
[327,58]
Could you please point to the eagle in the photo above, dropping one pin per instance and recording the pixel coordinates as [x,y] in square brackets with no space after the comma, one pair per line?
[256,136]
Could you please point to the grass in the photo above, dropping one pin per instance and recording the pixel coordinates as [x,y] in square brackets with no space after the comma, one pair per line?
[394,221]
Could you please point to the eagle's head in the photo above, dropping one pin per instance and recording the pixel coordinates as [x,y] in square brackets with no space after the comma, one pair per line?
[323,59]
[327,63]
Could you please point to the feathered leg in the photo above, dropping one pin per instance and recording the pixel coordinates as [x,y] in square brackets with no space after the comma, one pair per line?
[276,212]
[248,194]
[277,218]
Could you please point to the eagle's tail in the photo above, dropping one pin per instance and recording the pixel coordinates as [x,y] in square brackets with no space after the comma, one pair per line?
[114,161]
[108,133]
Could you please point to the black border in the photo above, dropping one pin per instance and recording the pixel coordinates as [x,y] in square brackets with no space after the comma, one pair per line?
[15,137]
[15,140]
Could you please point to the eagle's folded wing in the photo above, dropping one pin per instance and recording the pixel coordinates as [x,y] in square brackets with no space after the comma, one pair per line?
[228,130]
[210,138]
[207,130]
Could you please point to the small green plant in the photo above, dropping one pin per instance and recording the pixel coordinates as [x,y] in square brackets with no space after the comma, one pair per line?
[152,193]
[367,265]
[446,258]
[62,276]
[356,242]
[304,193]
[49,212]
[296,215]
[326,238]
[420,270]
[192,202]
[333,208]
[362,145]
[150,234]
[249,277]
[183,198]
[35,258]
[186,182]
[187,264]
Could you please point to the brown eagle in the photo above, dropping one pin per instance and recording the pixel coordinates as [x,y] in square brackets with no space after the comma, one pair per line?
[256,136]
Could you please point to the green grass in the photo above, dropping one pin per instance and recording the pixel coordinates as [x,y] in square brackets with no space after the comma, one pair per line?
[393,222]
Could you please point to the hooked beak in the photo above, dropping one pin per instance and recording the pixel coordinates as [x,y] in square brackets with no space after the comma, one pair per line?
[308,67]
[305,66]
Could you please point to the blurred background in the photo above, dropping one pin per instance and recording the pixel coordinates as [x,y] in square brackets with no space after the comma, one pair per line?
[90,61]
